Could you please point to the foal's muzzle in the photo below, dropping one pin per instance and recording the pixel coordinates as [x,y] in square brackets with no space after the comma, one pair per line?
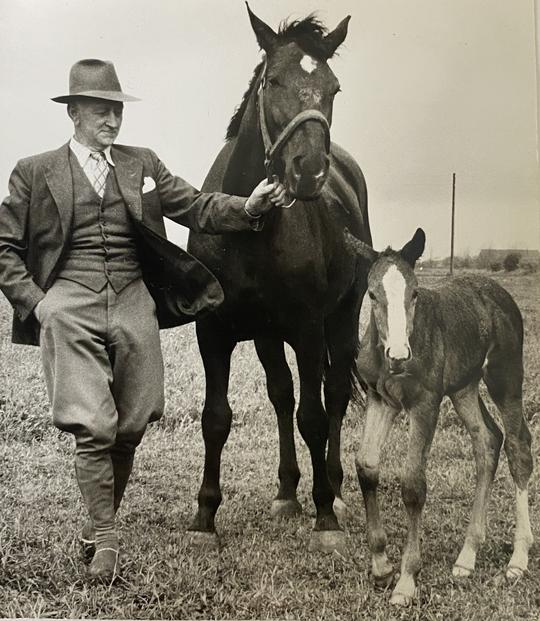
[396,360]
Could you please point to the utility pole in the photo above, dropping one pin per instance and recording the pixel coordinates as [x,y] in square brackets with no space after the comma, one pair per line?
[453,218]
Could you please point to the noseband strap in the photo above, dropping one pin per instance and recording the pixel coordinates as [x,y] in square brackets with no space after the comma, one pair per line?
[272,148]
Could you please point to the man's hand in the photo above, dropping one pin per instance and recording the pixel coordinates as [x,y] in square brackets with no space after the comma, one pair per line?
[264,197]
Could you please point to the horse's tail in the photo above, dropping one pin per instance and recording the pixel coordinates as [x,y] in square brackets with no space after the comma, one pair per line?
[357,385]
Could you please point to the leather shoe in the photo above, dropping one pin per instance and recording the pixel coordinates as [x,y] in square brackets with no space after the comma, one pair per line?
[104,565]
[87,539]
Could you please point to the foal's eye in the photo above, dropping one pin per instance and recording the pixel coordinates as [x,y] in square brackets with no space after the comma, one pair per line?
[274,82]
[414,294]
[372,295]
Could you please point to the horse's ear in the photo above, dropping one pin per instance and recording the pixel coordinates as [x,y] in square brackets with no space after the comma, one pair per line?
[359,248]
[413,249]
[266,37]
[335,38]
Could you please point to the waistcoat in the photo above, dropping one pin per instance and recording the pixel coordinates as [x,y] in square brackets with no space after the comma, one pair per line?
[103,238]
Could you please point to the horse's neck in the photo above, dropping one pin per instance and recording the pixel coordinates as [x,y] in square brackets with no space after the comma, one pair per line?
[246,163]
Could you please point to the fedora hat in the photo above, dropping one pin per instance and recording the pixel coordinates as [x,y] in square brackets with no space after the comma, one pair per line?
[94,78]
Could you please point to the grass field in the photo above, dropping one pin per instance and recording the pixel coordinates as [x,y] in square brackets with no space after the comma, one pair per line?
[264,569]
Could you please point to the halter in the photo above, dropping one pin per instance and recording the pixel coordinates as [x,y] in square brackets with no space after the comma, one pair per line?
[272,148]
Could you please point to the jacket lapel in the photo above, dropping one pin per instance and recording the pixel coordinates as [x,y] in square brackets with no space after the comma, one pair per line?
[60,182]
[129,172]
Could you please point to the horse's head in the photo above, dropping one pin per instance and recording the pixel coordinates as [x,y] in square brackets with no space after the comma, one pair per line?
[297,79]
[393,289]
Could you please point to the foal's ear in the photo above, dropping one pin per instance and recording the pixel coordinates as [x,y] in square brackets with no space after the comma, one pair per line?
[266,37]
[358,247]
[335,38]
[413,249]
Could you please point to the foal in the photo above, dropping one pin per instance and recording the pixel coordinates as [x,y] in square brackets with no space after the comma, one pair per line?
[421,345]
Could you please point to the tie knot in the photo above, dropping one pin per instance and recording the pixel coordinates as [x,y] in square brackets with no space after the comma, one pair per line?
[97,155]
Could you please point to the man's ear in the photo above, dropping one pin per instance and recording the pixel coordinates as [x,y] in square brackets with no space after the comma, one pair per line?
[413,249]
[359,248]
[266,37]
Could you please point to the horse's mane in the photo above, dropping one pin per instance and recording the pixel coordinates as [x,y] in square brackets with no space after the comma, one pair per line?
[309,34]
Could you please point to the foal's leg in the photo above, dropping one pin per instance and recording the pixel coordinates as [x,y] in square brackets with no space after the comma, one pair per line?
[280,391]
[487,440]
[379,420]
[341,333]
[216,352]
[313,425]
[422,423]
[504,380]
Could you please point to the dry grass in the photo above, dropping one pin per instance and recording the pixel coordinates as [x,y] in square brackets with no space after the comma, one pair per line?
[263,569]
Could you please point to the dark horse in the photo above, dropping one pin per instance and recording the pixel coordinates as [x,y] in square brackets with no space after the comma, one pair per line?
[293,282]
[423,344]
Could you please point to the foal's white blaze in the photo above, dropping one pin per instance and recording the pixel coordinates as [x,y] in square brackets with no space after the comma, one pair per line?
[394,288]
[308,63]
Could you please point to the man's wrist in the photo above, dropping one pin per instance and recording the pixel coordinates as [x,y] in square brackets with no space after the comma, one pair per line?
[249,212]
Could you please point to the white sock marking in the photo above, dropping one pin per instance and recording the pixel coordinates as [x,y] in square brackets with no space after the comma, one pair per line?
[394,287]
[308,63]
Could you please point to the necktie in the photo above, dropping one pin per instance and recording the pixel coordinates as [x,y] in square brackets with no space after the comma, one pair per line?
[99,172]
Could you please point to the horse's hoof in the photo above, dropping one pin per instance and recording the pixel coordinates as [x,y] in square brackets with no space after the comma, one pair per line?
[202,539]
[459,571]
[285,508]
[341,510]
[513,573]
[383,582]
[328,541]
[401,599]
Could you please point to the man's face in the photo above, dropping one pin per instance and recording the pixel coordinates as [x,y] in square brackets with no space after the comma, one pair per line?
[97,121]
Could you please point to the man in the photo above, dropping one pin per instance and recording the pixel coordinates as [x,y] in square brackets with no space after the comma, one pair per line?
[85,264]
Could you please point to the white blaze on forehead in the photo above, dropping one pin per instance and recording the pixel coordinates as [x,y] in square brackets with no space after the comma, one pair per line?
[308,63]
[394,288]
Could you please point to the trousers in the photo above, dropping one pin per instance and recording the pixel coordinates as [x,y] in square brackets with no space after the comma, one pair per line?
[103,369]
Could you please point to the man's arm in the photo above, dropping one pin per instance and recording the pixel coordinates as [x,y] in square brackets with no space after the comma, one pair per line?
[15,280]
[213,212]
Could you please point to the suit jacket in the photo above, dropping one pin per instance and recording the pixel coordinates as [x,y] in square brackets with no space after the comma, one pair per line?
[35,230]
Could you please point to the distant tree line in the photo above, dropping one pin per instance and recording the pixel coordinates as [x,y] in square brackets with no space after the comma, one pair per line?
[492,260]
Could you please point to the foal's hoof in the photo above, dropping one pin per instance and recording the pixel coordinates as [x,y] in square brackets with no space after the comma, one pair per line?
[285,508]
[401,599]
[513,573]
[329,541]
[383,582]
[459,571]
[341,511]
[202,539]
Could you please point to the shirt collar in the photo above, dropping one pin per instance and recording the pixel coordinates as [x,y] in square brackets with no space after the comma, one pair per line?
[82,152]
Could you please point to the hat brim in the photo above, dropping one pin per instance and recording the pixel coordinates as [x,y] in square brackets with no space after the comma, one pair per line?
[107,95]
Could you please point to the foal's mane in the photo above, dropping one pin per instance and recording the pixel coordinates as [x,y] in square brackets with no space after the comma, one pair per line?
[308,34]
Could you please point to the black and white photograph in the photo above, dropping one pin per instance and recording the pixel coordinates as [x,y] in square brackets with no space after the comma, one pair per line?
[270,311]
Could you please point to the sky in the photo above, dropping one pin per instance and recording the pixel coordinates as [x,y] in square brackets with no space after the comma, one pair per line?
[429,87]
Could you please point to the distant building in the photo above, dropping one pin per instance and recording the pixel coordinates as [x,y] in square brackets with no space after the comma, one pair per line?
[491,255]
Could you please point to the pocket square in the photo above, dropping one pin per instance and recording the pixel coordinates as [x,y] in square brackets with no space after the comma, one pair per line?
[148,185]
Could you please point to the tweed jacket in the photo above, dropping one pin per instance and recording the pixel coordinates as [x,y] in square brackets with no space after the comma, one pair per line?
[35,230]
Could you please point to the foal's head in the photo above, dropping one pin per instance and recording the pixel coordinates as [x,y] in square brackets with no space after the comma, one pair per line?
[297,77]
[393,289]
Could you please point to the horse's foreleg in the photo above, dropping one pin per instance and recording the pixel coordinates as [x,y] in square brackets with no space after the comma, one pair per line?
[313,425]
[341,334]
[216,423]
[280,391]
[487,439]
[379,420]
[422,423]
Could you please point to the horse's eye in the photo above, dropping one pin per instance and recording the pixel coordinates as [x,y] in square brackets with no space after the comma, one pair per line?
[274,82]
[372,295]
[414,294]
